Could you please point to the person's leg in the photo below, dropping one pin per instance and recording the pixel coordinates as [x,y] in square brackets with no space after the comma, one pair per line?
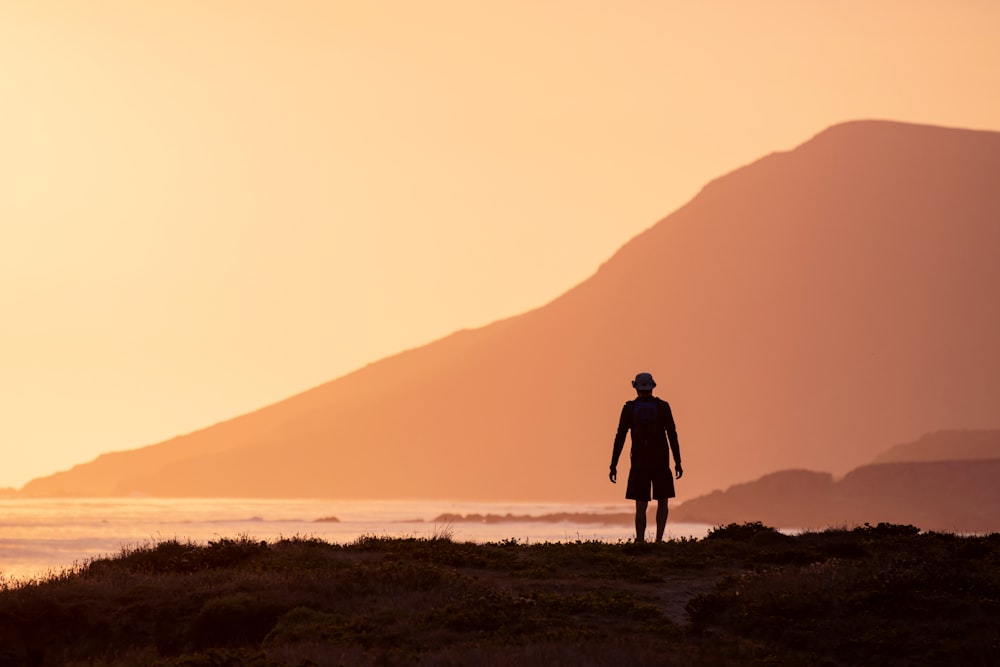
[640,520]
[661,518]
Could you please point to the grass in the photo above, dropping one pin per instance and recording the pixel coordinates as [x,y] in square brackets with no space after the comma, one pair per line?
[746,594]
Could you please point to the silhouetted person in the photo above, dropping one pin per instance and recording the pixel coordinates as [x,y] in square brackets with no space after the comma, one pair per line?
[651,422]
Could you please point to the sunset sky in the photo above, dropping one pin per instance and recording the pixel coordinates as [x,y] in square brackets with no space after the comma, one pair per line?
[209,206]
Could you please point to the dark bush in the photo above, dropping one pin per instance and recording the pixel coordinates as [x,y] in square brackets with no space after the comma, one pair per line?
[888,530]
[236,618]
[744,532]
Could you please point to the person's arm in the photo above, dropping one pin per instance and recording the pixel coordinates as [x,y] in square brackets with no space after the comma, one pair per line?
[675,445]
[616,452]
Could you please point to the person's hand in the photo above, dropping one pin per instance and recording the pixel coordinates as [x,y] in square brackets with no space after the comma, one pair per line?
[613,475]
[680,471]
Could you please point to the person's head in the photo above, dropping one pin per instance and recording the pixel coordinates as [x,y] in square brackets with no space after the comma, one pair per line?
[643,384]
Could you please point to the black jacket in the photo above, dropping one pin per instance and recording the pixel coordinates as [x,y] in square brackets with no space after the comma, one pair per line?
[665,429]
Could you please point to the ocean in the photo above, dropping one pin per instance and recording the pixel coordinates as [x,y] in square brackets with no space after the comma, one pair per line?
[41,537]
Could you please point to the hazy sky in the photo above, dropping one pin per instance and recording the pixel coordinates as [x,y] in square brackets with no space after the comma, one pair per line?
[209,206]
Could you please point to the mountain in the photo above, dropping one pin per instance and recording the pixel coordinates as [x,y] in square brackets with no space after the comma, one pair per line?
[946,446]
[944,481]
[952,496]
[800,312]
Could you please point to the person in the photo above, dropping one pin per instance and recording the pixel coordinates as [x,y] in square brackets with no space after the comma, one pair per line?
[652,423]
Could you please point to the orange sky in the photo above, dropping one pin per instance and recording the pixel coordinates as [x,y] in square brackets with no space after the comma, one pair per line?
[209,206]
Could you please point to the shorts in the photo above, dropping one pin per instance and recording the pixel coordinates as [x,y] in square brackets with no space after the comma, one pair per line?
[643,476]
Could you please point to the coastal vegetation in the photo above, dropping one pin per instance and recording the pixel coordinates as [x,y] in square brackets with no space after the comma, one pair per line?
[746,594]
